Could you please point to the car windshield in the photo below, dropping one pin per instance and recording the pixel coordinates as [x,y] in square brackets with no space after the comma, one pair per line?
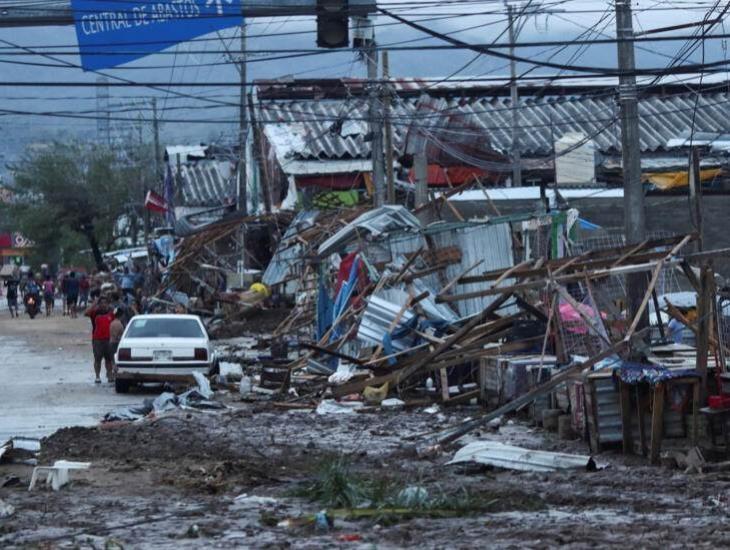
[166,328]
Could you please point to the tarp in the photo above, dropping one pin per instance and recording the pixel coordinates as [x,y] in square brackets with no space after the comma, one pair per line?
[114,32]
[672,180]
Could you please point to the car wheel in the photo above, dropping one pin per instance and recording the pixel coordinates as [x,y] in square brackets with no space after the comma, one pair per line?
[121,386]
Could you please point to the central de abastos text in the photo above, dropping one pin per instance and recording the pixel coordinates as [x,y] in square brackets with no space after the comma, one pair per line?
[138,16]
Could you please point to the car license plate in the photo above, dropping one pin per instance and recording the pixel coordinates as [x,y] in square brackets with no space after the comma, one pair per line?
[162,355]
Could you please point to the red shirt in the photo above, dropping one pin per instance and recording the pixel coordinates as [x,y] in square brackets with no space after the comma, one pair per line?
[101,322]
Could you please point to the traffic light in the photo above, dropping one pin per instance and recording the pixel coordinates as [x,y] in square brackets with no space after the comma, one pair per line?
[332,24]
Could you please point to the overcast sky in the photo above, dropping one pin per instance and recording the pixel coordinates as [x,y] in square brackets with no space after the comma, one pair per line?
[559,21]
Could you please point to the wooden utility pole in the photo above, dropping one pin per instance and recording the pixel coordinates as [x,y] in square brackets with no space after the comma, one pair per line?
[376,124]
[389,176]
[515,104]
[634,216]
[242,201]
[695,195]
[156,161]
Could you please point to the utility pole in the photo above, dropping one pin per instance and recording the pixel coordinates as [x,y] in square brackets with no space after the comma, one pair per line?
[695,195]
[156,163]
[242,129]
[390,179]
[156,133]
[376,124]
[515,103]
[634,217]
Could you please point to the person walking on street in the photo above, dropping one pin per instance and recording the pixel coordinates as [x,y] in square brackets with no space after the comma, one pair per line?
[72,294]
[12,295]
[101,319]
[49,294]
[116,329]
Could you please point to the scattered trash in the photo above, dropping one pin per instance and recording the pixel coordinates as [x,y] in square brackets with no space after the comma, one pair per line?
[330,406]
[6,510]
[254,500]
[57,475]
[323,522]
[413,497]
[231,372]
[203,385]
[349,537]
[392,403]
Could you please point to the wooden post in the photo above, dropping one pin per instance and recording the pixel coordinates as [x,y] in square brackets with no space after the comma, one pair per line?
[704,315]
[657,420]
[625,399]
[695,195]
[389,176]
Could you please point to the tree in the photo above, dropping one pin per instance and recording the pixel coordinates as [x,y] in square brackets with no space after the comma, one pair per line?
[66,191]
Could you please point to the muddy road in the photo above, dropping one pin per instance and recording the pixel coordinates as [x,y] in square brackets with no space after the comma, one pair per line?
[47,376]
[255,476]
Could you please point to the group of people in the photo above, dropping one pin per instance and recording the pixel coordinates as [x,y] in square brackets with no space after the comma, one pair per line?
[73,289]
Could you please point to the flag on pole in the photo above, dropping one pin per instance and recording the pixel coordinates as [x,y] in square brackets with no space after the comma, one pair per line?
[155,202]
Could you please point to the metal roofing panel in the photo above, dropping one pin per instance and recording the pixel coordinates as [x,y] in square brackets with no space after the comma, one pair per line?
[289,252]
[336,128]
[490,244]
[206,182]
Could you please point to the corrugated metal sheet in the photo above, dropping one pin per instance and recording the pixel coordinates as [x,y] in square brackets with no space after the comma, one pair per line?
[311,123]
[376,320]
[495,453]
[206,182]
[288,254]
[492,244]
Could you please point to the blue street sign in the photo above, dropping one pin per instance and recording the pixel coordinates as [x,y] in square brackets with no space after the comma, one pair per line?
[114,32]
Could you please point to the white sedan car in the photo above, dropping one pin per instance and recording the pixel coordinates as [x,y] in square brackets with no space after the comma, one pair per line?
[162,348]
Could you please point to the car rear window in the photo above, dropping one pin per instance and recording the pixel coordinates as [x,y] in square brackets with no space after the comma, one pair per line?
[166,328]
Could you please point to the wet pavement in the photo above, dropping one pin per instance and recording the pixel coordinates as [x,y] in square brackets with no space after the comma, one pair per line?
[46,376]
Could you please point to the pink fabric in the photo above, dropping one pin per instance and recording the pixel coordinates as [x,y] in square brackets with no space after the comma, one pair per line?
[573,321]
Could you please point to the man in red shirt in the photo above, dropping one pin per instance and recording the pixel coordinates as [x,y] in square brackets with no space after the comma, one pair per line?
[101,319]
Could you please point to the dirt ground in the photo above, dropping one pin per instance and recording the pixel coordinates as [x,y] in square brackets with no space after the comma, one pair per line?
[173,482]
[251,476]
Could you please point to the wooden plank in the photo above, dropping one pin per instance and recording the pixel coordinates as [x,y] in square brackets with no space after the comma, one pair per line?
[597,259]
[630,253]
[640,419]
[652,284]
[529,308]
[455,280]
[695,413]
[408,264]
[704,325]
[621,270]
[444,378]
[625,400]
[454,338]
[510,271]
[592,323]
[657,423]
[591,404]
